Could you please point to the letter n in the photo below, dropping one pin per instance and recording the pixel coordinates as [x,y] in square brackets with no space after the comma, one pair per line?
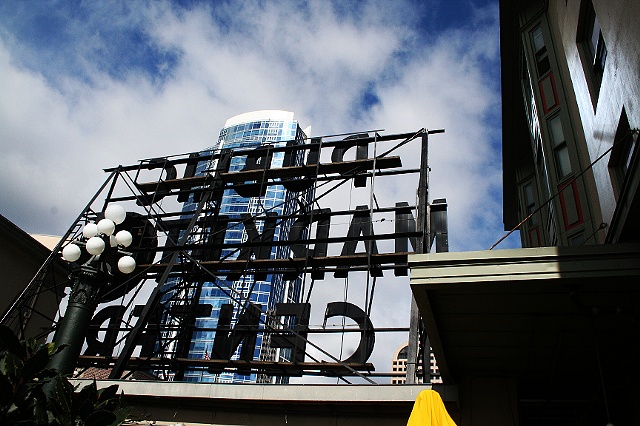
[404,223]
[245,331]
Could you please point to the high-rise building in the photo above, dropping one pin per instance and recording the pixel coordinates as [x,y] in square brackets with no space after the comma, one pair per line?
[399,367]
[570,89]
[247,132]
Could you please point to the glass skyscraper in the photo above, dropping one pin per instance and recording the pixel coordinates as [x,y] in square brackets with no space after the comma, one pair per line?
[246,132]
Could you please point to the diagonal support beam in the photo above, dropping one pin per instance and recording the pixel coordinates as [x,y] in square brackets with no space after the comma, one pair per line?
[154,298]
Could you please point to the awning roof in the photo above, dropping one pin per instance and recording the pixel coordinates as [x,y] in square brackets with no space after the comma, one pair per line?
[542,315]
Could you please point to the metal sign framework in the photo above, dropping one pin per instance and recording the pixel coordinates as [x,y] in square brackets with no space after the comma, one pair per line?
[187,249]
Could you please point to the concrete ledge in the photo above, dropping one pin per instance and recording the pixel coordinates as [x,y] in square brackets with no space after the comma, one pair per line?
[519,265]
[253,404]
[255,392]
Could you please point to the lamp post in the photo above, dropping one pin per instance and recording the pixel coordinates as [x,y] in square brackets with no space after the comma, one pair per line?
[91,280]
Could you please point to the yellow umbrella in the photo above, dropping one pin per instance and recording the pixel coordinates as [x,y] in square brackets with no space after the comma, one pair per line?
[428,410]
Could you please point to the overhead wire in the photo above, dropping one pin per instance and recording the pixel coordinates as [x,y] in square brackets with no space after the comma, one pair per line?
[575,178]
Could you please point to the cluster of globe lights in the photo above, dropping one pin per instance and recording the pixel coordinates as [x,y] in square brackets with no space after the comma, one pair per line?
[96,234]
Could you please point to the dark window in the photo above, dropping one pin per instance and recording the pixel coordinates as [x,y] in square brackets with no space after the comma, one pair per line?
[593,48]
[403,354]
[529,203]
[540,51]
[561,152]
[624,145]
[577,240]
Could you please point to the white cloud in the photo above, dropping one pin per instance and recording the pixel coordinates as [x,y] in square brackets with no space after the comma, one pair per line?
[63,120]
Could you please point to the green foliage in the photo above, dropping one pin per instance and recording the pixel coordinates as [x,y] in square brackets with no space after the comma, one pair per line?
[32,394]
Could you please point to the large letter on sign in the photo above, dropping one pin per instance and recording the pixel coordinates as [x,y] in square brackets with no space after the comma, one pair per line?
[297,342]
[360,224]
[257,244]
[405,223]
[96,347]
[246,331]
[362,153]
[295,157]
[257,159]
[170,174]
[367,335]
[299,232]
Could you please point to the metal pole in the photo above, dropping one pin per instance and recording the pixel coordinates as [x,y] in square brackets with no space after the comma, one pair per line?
[73,327]
[422,247]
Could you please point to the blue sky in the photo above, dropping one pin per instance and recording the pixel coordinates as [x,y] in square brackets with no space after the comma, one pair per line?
[88,85]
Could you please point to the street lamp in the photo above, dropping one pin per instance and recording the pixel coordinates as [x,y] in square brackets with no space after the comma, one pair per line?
[91,280]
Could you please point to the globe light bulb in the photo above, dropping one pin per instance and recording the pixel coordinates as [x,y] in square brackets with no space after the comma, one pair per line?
[106,226]
[71,252]
[112,241]
[90,230]
[95,245]
[124,238]
[126,264]
[115,213]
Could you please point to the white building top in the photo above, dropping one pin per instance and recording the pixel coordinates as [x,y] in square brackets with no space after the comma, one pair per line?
[262,115]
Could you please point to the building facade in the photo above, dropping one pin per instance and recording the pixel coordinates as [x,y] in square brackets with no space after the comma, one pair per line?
[571,113]
[247,132]
[571,110]
[21,255]
[399,367]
